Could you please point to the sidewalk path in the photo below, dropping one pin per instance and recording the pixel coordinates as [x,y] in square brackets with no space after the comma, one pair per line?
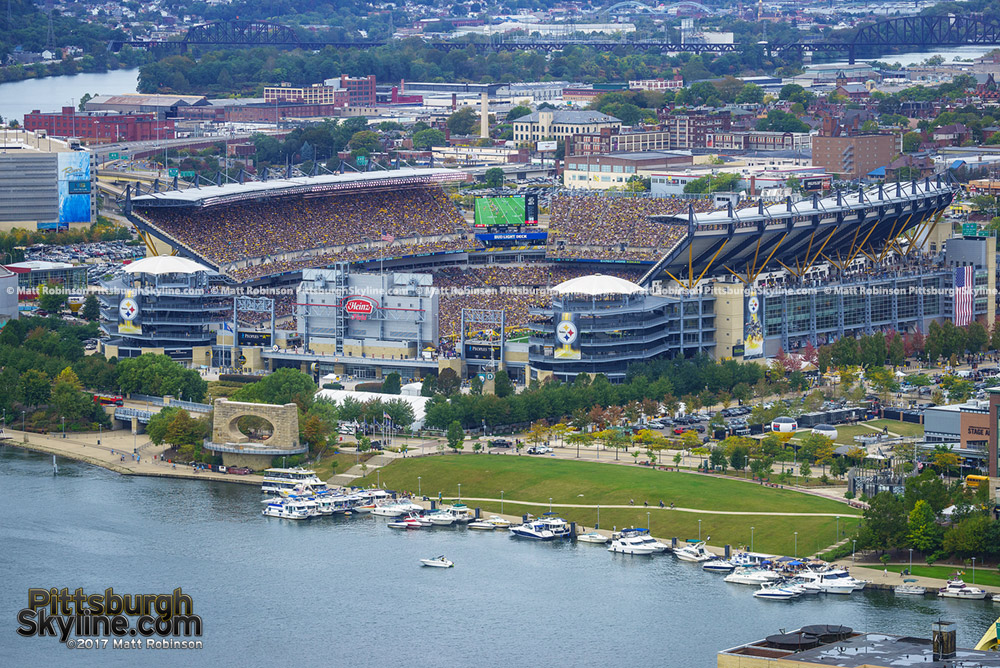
[668,509]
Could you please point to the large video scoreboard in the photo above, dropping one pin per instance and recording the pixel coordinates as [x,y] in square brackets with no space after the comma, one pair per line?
[506,213]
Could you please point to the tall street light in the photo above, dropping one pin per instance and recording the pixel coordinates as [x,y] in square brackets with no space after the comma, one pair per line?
[796,544]
[501,502]
[699,530]
[418,486]
[459,491]
[751,539]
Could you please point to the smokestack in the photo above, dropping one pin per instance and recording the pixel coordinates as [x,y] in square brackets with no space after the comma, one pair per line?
[484,117]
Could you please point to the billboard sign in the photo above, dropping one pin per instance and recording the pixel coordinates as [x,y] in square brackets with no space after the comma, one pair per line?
[482,351]
[360,308]
[128,315]
[753,330]
[546,146]
[255,339]
[531,209]
[567,338]
[74,203]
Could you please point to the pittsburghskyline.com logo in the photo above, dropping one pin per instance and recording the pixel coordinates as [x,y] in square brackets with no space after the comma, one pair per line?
[110,620]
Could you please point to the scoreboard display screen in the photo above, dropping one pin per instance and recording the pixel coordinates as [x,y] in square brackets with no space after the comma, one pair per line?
[506,212]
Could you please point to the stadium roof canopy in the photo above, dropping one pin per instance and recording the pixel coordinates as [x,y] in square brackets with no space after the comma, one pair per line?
[324,183]
[165,264]
[597,284]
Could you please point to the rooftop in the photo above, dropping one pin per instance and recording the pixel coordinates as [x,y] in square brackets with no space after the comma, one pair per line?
[575,117]
[597,284]
[165,264]
[150,100]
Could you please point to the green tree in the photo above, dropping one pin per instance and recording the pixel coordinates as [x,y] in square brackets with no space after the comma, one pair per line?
[315,432]
[158,424]
[426,139]
[970,537]
[365,143]
[34,388]
[884,524]
[91,308]
[465,121]
[494,177]
[283,386]
[51,297]
[922,531]
[502,386]
[158,375]
[186,434]
[911,142]
[750,94]
[392,384]
[67,397]
[517,112]
[448,382]
[897,351]
[455,436]
[428,385]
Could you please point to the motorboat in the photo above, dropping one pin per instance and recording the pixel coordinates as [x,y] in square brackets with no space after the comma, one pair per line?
[694,552]
[419,519]
[292,480]
[799,587]
[958,589]
[545,528]
[908,588]
[775,592]
[441,518]
[718,566]
[829,585]
[752,576]
[289,509]
[593,537]
[625,544]
[461,512]
[747,559]
[389,510]
[649,541]
[498,522]
[437,562]
[481,525]
[834,576]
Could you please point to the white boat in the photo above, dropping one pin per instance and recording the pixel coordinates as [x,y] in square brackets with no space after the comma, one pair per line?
[718,566]
[647,540]
[390,510]
[958,589]
[800,587]
[546,528]
[910,589]
[752,576]
[278,481]
[835,578]
[481,526]
[461,512]
[592,537]
[829,585]
[630,545]
[694,552]
[498,522]
[437,562]
[419,519]
[289,509]
[775,592]
[441,518]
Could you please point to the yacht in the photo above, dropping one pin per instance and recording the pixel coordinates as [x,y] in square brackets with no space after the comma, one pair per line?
[775,592]
[593,537]
[289,509]
[834,576]
[908,588]
[752,576]
[390,510]
[649,541]
[461,512]
[629,544]
[828,584]
[694,552]
[295,480]
[958,589]
[498,522]
[545,528]
[441,518]
[718,566]
[481,525]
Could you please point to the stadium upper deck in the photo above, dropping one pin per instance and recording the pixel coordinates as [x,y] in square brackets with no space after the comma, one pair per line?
[795,235]
[231,193]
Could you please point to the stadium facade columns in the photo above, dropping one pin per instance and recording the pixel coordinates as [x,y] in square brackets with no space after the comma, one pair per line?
[201,356]
[454,363]
[729,318]
[255,359]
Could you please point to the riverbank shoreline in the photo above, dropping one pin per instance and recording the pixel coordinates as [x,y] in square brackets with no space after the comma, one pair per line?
[114,451]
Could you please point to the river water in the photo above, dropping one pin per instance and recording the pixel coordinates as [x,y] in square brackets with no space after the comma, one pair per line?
[18,98]
[351,592]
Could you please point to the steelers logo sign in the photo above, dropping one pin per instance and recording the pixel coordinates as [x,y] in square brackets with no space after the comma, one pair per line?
[566,332]
[128,309]
[753,304]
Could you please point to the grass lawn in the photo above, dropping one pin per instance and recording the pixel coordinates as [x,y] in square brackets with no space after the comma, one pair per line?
[331,465]
[527,478]
[221,390]
[984,576]
[901,428]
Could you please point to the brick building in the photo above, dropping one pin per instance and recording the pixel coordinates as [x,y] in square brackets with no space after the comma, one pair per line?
[692,129]
[845,151]
[100,127]
[758,141]
[343,92]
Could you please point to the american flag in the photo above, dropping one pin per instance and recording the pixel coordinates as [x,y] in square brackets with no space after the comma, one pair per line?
[964,298]
[388,237]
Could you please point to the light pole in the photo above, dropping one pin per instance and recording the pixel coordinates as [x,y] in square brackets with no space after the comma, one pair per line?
[796,544]
[378,478]
[838,529]
[418,486]
[699,530]
[751,539]
[910,571]
[854,548]
[598,525]
[501,502]
[647,522]
[100,432]
[973,570]
[64,426]
[459,491]
[550,504]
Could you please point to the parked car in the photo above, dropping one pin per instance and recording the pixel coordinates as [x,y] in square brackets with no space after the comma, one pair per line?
[239,470]
[500,443]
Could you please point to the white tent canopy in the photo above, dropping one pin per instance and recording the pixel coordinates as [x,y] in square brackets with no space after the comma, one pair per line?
[165,264]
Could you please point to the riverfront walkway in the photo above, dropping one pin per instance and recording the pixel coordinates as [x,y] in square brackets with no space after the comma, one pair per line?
[108,454]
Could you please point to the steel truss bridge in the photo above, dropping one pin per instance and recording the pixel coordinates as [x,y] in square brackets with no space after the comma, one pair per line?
[914,32]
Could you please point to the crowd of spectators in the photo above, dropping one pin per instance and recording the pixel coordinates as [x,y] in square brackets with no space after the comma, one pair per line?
[602,227]
[515,288]
[357,225]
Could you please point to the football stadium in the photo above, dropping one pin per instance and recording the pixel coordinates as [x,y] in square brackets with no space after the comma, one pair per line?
[409,284]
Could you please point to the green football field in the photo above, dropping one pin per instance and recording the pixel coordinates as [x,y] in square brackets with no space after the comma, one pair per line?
[504,211]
